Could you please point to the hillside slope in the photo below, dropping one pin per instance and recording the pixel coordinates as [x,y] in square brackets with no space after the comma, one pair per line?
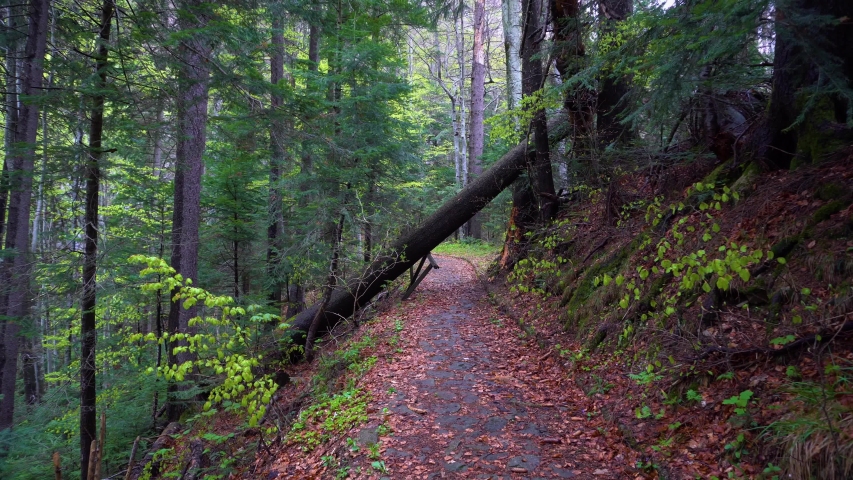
[707,311]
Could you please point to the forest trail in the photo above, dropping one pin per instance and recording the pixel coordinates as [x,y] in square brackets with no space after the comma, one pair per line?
[465,396]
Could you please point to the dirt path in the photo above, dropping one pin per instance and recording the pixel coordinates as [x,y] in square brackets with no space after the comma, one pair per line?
[469,399]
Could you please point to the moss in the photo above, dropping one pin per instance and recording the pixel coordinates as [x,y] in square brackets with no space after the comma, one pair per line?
[711,178]
[814,141]
[785,246]
[832,191]
[828,210]
[575,298]
[654,290]
[743,185]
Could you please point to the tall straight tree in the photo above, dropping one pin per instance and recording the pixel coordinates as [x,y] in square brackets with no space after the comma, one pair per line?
[511,13]
[478,93]
[193,93]
[611,104]
[275,227]
[806,60]
[15,302]
[88,332]
[533,79]
[570,52]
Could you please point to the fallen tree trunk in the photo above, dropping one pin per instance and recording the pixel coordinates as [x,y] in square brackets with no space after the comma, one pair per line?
[419,242]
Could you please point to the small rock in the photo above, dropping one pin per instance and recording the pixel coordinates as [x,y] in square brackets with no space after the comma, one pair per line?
[367,436]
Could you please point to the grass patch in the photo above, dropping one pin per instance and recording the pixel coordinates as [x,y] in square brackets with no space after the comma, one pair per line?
[467,249]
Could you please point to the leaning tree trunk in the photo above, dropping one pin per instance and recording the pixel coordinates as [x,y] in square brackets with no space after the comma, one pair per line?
[88,333]
[16,269]
[420,241]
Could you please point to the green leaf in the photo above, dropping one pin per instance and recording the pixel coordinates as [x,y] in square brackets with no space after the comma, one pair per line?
[723,283]
[744,274]
[782,340]
[715,227]
[782,260]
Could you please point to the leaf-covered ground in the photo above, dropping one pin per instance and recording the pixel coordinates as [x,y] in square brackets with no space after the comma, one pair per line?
[458,391]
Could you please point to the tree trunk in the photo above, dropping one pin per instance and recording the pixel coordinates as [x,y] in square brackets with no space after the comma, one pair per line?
[611,104]
[88,333]
[15,303]
[511,12]
[569,59]
[478,93]
[191,132]
[275,228]
[13,55]
[533,79]
[331,283]
[420,241]
[795,68]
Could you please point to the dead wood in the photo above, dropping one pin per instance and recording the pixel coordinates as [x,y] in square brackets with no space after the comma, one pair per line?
[418,242]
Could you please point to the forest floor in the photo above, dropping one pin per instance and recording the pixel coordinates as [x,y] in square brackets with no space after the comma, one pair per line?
[459,391]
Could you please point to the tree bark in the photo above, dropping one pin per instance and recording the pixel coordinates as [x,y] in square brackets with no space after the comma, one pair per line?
[569,57]
[88,332]
[478,93]
[511,13]
[275,228]
[16,269]
[408,249]
[191,132]
[533,79]
[610,104]
[795,68]
[331,283]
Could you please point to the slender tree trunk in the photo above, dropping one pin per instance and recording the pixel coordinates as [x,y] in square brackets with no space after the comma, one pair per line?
[88,332]
[191,131]
[275,228]
[511,12]
[331,283]
[15,305]
[13,55]
[478,93]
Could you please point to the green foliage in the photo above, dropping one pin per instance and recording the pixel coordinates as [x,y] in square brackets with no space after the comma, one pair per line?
[740,401]
[221,347]
[330,415]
